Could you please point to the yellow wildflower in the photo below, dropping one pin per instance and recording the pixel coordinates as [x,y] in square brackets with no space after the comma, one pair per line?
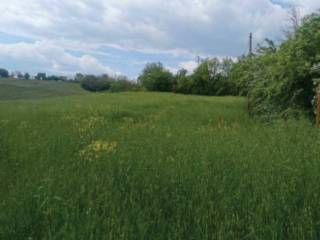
[97,149]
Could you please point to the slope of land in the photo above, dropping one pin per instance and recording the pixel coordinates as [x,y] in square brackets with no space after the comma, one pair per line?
[13,89]
[154,166]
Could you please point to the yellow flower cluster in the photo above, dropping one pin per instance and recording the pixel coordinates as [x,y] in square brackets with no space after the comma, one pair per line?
[127,123]
[100,146]
[97,149]
[89,124]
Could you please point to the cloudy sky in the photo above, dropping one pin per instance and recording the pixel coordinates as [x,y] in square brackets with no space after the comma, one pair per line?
[121,36]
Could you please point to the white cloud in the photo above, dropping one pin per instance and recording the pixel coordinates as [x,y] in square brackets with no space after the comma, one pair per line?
[199,26]
[179,28]
[52,57]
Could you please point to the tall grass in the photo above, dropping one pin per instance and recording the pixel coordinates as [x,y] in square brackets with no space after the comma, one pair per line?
[155,166]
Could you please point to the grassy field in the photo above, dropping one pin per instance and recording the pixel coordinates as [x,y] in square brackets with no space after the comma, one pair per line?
[154,166]
[13,89]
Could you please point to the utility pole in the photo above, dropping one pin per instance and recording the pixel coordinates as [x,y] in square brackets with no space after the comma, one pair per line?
[250,44]
[198,60]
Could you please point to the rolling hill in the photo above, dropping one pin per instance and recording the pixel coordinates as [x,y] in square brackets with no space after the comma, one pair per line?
[13,89]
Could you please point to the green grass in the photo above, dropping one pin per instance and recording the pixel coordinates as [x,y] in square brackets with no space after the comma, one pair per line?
[154,166]
[13,89]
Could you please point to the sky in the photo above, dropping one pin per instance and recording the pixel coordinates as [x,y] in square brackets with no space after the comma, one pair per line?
[116,37]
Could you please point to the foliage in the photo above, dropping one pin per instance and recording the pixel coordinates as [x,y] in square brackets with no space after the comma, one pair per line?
[155,77]
[26,76]
[79,77]
[97,83]
[315,71]
[4,73]
[123,84]
[17,74]
[184,83]
[278,80]
[53,78]
[105,83]
[41,76]
[211,77]
[203,77]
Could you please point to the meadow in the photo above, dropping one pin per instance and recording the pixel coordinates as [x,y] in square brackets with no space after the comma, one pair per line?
[14,89]
[154,166]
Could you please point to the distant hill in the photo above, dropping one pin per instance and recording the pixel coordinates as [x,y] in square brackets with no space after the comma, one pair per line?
[13,89]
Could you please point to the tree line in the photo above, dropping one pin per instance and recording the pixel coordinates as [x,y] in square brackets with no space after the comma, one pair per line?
[4,73]
[211,77]
[93,83]
[105,82]
[278,79]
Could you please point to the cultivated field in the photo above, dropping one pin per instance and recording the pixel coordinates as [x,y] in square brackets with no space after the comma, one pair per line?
[154,166]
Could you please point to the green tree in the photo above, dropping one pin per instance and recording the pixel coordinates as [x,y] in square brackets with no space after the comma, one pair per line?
[79,77]
[184,82]
[211,77]
[96,83]
[41,76]
[4,73]
[26,76]
[52,78]
[155,77]
[203,77]
[122,84]
[278,79]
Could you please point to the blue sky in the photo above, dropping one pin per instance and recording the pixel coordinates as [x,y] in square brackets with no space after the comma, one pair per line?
[120,37]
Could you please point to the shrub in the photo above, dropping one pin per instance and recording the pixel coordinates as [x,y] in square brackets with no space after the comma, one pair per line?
[209,78]
[41,76]
[156,78]
[280,79]
[184,82]
[53,78]
[96,84]
[26,76]
[122,84]
[4,73]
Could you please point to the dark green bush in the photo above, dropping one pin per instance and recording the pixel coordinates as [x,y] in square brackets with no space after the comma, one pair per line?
[156,78]
[184,83]
[4,73]
[279,80]
[122,84]
[97,83]
[211,77]
[105,83]
[41,76]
